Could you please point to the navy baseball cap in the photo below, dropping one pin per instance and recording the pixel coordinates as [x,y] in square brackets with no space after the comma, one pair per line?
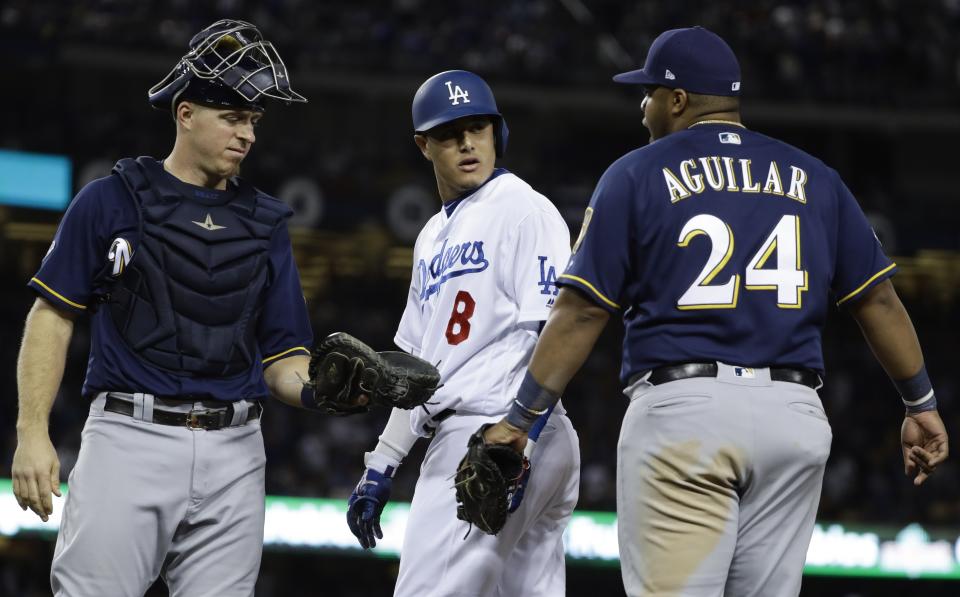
[694,59]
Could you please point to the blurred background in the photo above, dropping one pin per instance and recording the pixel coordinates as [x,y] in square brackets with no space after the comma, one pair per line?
[870,87]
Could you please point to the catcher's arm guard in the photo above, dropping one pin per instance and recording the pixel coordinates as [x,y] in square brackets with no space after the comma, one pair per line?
[486,479]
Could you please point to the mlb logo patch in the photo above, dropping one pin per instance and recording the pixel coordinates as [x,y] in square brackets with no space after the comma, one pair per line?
[746,372]
[730,138]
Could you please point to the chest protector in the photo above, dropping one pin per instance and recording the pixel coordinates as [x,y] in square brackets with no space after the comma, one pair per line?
[190,298]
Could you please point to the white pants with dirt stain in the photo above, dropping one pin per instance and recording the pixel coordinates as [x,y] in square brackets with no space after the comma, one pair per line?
[718,482]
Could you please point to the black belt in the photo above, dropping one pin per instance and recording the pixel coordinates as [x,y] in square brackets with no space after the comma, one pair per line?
[431,425]
[218,417]
[806,377]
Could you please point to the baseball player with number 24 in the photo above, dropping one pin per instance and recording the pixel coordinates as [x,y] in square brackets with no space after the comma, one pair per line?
[482,284]
[722,248]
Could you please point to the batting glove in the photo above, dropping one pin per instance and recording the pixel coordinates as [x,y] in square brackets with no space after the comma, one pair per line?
[517,497]
[369,497]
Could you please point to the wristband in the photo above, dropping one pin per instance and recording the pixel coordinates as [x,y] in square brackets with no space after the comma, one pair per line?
[532,401]
[381,463]
[917,392]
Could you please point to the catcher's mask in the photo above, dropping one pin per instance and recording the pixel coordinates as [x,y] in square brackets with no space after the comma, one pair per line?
[229,65]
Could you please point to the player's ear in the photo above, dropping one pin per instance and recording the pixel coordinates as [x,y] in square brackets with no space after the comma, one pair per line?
[421,141]
[679,100]
[185,112]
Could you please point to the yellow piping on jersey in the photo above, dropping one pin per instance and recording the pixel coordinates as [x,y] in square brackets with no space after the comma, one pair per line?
[592,288]
[57,294]
[867,283]
[288,351]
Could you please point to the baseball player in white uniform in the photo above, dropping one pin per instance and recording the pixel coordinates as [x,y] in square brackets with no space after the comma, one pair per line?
[482,284]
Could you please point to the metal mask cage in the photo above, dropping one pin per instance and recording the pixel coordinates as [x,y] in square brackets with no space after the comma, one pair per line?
[238,57]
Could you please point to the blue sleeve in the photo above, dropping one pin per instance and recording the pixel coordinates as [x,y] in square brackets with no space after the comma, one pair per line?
[69,274]
[861,263]
[284,327]
[600,262]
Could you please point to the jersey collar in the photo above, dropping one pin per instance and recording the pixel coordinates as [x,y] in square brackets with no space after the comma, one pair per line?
[723,122]
[451,205]
[202,195]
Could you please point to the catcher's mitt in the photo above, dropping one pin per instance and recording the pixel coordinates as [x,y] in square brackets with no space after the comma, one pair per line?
[408,381]
[486,478]
[342,368]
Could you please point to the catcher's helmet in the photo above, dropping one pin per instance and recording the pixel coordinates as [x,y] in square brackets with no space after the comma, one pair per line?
[229,64]
[454,94]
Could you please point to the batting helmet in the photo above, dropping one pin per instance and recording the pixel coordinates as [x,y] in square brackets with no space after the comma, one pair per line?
[229,64]
[454,94]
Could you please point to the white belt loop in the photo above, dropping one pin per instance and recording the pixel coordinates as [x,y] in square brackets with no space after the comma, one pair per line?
[148,400]
[240,409]
[96,407]
[638,383]
[138,406]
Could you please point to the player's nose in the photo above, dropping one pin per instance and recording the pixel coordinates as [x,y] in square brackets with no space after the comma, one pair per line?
[246,133]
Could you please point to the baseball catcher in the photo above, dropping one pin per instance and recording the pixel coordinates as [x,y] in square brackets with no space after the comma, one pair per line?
[343,370]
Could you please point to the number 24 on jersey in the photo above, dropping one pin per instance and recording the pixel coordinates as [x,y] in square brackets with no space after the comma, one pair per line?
[787,279]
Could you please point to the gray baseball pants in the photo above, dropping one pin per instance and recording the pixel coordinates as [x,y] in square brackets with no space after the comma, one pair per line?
[718,482]
[147,499]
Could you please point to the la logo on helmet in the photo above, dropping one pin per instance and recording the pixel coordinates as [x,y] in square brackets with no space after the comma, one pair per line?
[457,94]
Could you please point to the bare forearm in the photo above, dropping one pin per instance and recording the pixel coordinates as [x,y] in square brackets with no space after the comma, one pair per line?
[285,379]
[43,355]
[572,329]
[889,331]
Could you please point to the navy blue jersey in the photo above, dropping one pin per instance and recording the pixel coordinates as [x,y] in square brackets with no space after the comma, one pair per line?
[722,244]
[95,240]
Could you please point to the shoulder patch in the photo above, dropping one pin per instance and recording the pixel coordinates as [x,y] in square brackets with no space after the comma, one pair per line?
[119,255]
[587,216]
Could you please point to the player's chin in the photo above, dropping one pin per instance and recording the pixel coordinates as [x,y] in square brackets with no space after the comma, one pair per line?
[472,179]
[234,156]
[230,165]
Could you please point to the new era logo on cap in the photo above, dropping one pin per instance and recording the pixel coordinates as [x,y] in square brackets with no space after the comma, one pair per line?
[669,75]
[735,86]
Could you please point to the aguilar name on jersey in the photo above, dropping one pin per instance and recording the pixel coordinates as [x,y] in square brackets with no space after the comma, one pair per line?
[711,240]
[484,273]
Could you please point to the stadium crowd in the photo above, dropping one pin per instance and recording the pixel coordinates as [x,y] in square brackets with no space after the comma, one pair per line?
[883,52]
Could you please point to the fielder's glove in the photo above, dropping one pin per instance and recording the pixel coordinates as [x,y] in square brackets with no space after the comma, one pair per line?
[368,499]
[487,479]
[343,368]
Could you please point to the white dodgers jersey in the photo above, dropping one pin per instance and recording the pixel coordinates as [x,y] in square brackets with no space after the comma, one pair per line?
[483,279]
